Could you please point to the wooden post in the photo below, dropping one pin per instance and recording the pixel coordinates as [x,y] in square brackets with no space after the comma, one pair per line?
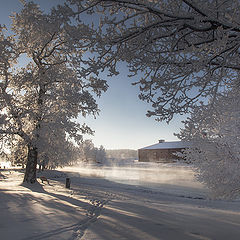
[68,181]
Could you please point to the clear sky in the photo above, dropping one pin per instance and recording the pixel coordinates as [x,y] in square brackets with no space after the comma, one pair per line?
[122,122]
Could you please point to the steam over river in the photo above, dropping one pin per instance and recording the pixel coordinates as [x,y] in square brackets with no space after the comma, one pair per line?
[159,177]
[152,201]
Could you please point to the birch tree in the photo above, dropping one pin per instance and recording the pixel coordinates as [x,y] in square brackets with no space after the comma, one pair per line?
[183,50]
[41,99]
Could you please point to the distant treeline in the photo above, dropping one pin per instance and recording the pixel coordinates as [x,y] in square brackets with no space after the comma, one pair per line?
[122,153]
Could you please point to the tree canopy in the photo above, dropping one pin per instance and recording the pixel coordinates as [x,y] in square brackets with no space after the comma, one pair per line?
[185,50]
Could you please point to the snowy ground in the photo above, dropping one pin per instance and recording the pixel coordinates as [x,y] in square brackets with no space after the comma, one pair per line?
[128,202]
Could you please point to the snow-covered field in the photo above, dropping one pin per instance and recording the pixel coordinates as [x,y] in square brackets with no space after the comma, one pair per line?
[138,201]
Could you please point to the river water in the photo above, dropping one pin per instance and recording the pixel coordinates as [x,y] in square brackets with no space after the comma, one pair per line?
[170,178]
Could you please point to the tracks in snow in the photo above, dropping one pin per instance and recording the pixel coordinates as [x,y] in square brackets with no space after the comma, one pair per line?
[92,214]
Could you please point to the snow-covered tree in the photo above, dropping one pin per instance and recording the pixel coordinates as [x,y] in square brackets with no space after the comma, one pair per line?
[215,151]
[100,155]
[88,153]
[183,49]
[42,96]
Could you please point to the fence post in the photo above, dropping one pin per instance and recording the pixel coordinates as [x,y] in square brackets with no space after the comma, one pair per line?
[68,181]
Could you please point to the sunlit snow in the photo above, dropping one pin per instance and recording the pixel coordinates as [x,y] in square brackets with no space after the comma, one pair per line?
[133,201]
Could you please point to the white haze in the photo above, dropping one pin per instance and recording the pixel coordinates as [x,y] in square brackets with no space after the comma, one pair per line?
[163,177]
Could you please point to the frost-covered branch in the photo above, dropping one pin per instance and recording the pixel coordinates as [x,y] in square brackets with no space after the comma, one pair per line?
[194,39]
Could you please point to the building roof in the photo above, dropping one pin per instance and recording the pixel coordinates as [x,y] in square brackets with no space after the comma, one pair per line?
[169,145]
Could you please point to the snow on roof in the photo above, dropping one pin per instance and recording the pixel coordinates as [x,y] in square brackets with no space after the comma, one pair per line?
[169,145]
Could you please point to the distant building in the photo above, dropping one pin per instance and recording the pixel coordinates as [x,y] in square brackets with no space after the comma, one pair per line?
[162,151]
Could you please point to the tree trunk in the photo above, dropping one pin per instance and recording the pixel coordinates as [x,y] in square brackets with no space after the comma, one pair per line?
[30,172]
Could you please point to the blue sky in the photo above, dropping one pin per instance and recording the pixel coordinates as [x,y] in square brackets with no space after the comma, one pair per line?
[122,122]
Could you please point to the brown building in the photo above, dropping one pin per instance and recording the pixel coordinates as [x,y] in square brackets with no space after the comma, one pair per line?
[162,151]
